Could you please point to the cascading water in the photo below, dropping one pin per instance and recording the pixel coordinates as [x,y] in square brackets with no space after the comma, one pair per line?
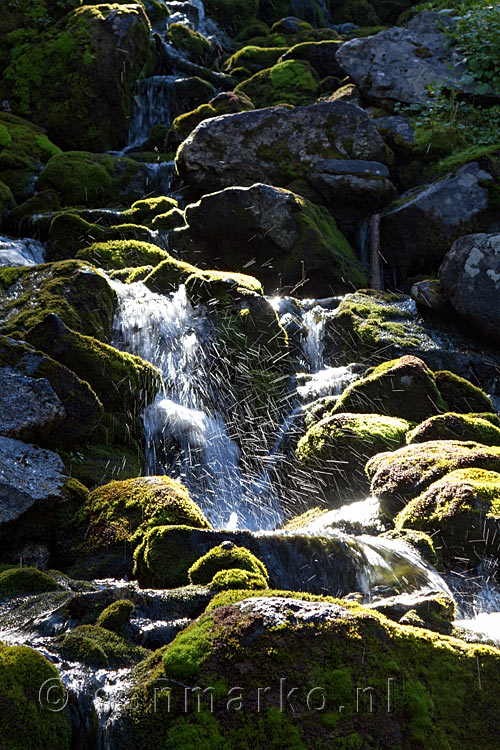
[20,252]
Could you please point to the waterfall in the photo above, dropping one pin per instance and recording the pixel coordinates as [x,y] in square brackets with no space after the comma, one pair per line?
[21,252]
[186,436]
[157,101]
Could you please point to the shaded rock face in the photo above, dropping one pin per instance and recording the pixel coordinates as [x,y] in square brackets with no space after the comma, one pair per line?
[28,407]
[278,234]
[470,275]
[417,231]
[276,144]
[400,63]
[29,475]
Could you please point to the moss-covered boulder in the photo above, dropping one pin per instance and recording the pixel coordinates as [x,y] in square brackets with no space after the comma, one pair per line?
[398,477]
[320,55]
[120,513]
[461,395]
[480,428]
[200,284]
[285,237]
[82,178]
[164,556]
[71,289]
[291,82]
[462,512]
[24,149]
[122,381]
[253,58]
[145,210]
[223,558]
[96,646]
[192,43]
[238,579]
[25,720]
[75,77]
[232,15]
[23,581]
[331,647]
[336,448]
[403,387]
[116,617]
[82,408]
[119,254]
[227,102]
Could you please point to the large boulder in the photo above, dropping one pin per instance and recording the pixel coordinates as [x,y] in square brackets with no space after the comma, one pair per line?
[336,673]
[75,78]
[281,236]
[417,230]
[290,82]
[470,275]
[398,477]
[480,428]
[276,144]
[400,63]
[30,408]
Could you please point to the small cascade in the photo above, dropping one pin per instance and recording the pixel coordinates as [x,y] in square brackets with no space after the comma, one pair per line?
[157,101]
[314,322]
[21,252]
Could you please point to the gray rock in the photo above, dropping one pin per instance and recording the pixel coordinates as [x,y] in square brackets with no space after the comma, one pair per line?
[419,228]
[400,63]
[424,604]
[29,407]
[429,295]
[276,611]
[276,145]
[395,125]
[28,475]
[470,275]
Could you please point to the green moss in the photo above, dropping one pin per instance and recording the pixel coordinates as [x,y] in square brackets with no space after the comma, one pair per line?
[25,721]
[335,451]
[71,289]
[145,210]
[124,511]
[163,558]
[224,104]
[170,273]
[85,179]
[403,387]
[68,233]
[462,510]
[419,540]
[23,581]
[116,617]
[118,254]
[483,429]
[123,382]
[291,82]
[195,44]
[232,15]
[253,58]
[235,578]
[44,202]
[222,558]
[173,219]
[99,647]
[460,395]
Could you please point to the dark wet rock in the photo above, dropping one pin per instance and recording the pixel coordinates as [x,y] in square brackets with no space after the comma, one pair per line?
[276,144]
[401,62]
[417,230]
[29,407]
[277,234]
[436,611]
[470,275]
[429,295]
[395,126]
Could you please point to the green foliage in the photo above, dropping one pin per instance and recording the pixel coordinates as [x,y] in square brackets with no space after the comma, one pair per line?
[477,36]
[22,581]
[222,558]
[116,617]
[25,721]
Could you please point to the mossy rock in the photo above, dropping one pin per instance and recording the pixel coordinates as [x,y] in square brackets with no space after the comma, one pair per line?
[320,55]
[200,284]
[145,210]
[403,387]
[309,643]
[335,450]
[254,59]
[23,581]
[225,103]
[124,511]
[116,617]
[45,202]
[119,254]
[398,477]
[25,720]
[7,202]
[122,381]
[83,410]
[164,556]
[461,395]
[235,578]
[24,149]
[462,512]
[71,289]
[480,428]
[194,44]
[290,82]
[75,77]
[173,219]
[419,540]
[232,15]
[360,12]
[225,557]
[99,647]
[82,178]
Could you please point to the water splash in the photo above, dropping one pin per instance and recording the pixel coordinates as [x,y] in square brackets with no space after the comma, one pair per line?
[21,252]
